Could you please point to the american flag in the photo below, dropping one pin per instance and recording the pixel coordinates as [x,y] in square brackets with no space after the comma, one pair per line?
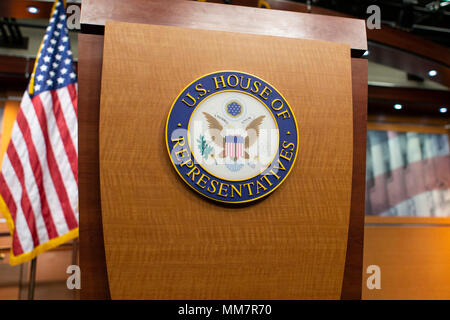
[407,174]
[39,173]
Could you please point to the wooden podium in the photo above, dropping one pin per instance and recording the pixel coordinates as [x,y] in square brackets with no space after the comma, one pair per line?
[143,233]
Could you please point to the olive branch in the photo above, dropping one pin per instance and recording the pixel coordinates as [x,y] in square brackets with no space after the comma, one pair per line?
[204,147]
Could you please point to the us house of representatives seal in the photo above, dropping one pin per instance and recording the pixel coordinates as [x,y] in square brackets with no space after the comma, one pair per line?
[232,136]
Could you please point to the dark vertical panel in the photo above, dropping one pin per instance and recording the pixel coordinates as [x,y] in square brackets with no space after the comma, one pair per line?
[351,286]
[94,282]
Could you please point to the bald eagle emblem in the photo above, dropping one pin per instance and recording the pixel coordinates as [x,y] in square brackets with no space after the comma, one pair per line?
[231,136]
[234,146]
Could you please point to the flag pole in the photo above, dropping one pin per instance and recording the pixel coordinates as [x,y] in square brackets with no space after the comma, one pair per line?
[20,282]
[32,281]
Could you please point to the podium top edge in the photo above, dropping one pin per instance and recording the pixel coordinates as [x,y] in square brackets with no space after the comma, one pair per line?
[231,18]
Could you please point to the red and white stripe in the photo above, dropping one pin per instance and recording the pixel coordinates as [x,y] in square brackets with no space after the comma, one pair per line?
[229,149]
[39,177]
[234,150]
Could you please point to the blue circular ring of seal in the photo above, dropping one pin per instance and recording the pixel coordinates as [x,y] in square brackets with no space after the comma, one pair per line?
[194,174]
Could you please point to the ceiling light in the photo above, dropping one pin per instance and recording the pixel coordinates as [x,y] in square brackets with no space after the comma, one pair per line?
[443,110]
[32,9]
[432,73]
[397,106]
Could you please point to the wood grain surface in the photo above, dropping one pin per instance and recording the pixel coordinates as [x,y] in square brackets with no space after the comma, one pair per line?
[414,260]
[214,16]
[430,221]
[92,255]
[162,240]
[92,252]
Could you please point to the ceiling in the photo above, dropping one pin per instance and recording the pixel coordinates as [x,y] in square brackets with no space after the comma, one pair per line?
[426,18]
